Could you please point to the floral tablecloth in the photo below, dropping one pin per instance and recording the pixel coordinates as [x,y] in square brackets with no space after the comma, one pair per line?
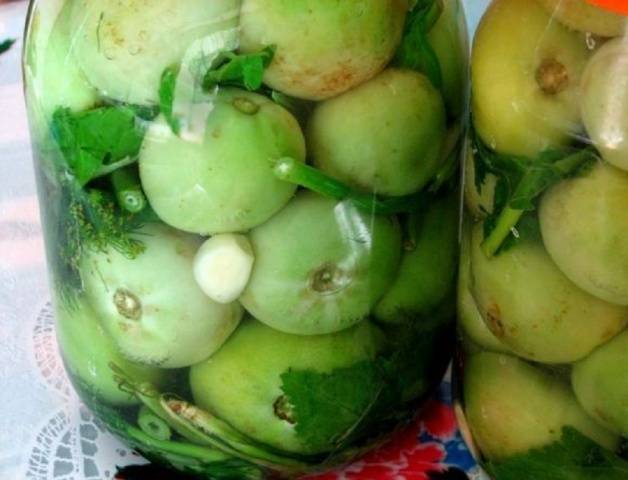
[45,433]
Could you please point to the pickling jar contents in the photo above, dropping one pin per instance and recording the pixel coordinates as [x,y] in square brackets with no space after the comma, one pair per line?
[543,281]
[251,218]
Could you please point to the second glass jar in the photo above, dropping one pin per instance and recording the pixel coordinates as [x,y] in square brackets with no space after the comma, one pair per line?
[543,289]
[251,215]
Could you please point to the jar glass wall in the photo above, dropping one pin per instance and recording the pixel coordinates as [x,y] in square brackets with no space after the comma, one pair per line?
[251,218]
[543,285]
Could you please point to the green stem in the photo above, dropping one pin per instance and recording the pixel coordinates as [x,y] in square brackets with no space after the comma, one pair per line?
[128,190]
[214,427]
[200,427]
[152,399]
[429,62]
[290,170]
[203,454]
[112,167]
[568,164]
[152,425]
[432,15]
[508,219]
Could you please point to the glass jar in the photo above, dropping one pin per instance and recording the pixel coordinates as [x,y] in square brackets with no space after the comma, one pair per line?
[543,285]
[251,218]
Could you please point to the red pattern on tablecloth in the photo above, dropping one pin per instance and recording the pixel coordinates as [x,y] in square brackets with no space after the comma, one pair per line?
[404,458]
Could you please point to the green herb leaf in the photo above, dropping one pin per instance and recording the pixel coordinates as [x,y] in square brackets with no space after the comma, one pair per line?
[352,403]
[93,222]
[547,169]
[82,220]
[508,169]
[5,45]
[520,183]
[327,403]
[415,51]
[166,96]
[96,138]
[574,457]
[240,70]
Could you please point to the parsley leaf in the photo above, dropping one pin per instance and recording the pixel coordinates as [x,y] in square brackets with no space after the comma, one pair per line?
[327,403]
[228,68]
[240,70]
[5,45]
[348,404]
[96,138]
[415,51]
[574,457]
[166,97]
[520,183]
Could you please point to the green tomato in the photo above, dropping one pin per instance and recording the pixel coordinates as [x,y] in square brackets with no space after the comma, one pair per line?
[123,47]
[470,319]
[601,384]
[530,306]
[151,306]
[41,22]
[449,39]
[224,182]
[525,75]
[320,266]
[56,79]
[480,201]
[242,383]
[428,264]
[584,221]
[384,136]
[323,47]
[604,103]
[88,352]
[512,407]
[583,15]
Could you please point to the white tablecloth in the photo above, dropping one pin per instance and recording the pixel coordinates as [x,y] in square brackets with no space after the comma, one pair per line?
[44,432]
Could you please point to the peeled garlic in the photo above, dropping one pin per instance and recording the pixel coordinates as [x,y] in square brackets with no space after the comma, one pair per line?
[223,265]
